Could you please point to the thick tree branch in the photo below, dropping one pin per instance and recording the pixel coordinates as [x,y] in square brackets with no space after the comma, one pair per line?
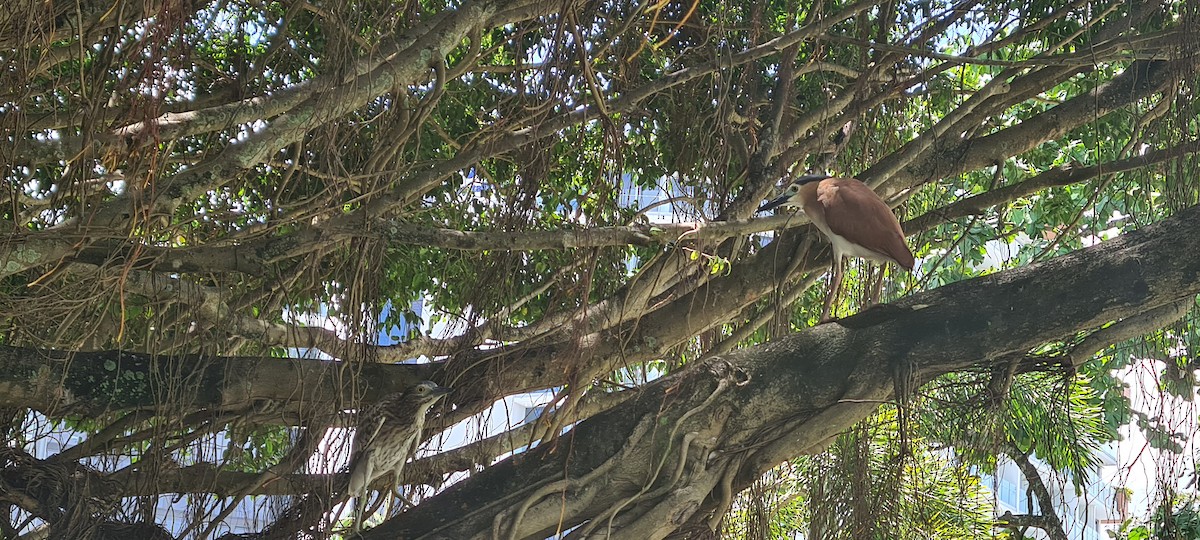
[797,392]
[1123,330]
[93,383]
[949,157]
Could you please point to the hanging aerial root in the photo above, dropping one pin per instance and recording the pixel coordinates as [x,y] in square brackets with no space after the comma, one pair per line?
[728,379]
[609,514]
[726,491]
[558,486]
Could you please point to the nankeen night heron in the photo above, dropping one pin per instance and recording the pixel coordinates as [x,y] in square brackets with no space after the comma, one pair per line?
[854,219]
[387,434]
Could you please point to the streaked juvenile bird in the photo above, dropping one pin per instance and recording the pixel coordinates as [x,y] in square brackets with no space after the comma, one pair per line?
[854,219]
[387,434]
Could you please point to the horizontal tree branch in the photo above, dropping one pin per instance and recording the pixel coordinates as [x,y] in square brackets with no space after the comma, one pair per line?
[94,383]
[1059,176]
[1144,47]
[642,234]
[210,478]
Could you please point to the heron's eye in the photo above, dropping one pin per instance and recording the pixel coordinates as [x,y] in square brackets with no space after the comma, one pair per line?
[792,188]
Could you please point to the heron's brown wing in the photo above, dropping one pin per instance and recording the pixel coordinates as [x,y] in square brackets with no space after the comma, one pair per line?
[854,212]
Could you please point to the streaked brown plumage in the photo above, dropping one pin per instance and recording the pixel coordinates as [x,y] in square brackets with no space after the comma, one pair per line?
[852,217]
[387,434]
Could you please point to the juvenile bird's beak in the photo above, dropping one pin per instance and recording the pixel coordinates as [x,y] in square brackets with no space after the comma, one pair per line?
[440,391]
[774,203]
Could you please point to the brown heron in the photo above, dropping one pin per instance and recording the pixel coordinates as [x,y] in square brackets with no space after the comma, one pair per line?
[854,219]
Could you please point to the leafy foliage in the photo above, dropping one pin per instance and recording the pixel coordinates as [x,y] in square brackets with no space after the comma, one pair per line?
[484,187]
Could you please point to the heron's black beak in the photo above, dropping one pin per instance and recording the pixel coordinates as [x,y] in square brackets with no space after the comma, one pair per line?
[774,203]
[440,391]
